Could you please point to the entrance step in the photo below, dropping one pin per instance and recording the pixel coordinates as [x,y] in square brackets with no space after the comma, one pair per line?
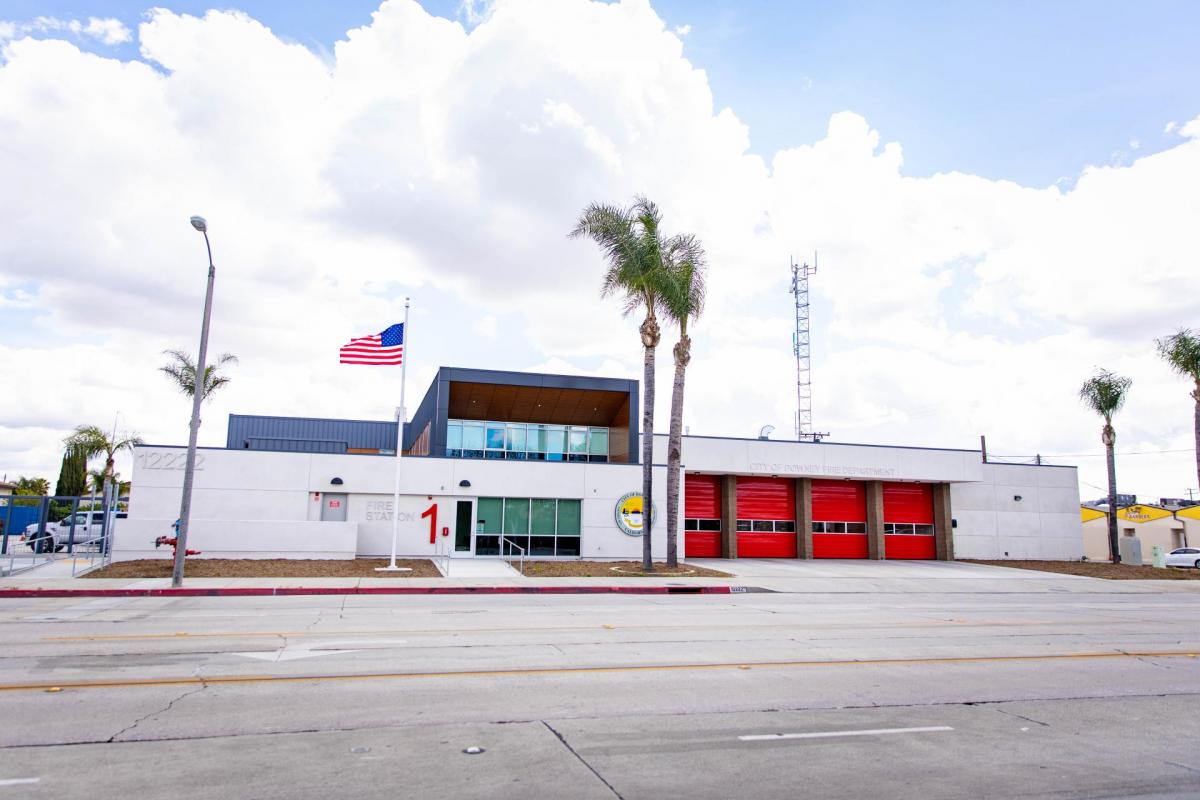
[480,568]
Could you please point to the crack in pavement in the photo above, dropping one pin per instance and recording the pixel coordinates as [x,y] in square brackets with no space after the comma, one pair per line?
[1143,659]
[1183,766]
[112,739]
[584,717]
[582,760]
[1019,716]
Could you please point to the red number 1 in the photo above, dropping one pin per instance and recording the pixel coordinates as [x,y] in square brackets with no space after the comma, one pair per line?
[431,512]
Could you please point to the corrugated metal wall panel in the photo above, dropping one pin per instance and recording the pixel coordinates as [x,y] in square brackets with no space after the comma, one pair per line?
[908,502]
[839,501]
[766,498]
[701,496]
[351,433]
[294,445]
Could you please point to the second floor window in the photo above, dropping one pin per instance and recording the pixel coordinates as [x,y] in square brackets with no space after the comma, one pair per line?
[526,441]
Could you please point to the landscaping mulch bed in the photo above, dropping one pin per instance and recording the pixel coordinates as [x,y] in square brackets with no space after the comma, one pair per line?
[614,569]
[1100,569]
[267,568]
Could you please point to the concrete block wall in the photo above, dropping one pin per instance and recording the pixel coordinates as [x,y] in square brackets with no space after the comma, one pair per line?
[1043,524]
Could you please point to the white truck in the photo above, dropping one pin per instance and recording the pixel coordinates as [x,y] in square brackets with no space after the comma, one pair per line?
[88,529]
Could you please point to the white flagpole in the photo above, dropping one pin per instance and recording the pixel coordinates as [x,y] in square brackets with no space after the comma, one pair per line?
[401,419]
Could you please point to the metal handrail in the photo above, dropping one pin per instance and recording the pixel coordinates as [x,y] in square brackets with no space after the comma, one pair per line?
[98,550]
[511,543]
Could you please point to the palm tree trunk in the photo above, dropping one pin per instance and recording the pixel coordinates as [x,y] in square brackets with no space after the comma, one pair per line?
[1196,428]
[647,458]
[1114,548]
[675,447]
[650,336]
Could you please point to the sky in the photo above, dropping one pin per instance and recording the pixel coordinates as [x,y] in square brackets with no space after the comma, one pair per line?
[1003,196]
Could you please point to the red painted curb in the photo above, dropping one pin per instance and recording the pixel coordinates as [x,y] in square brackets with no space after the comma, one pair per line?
[282,591]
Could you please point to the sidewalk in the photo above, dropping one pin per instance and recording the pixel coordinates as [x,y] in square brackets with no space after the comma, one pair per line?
[797,577]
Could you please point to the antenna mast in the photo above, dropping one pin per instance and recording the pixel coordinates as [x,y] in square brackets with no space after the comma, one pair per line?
[802,347]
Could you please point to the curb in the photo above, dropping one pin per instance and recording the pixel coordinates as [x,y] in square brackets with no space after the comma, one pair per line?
[282,591]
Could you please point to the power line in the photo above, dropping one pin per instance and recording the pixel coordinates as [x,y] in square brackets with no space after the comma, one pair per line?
[1097,455]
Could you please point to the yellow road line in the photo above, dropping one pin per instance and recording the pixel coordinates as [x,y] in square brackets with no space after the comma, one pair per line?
[141,637]
[544,671]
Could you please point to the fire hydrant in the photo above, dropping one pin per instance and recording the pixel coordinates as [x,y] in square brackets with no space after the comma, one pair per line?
[171,540]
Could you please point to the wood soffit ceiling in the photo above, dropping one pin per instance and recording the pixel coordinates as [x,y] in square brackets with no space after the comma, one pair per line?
[501,403]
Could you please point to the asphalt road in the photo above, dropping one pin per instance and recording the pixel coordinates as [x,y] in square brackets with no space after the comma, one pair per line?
[917,694]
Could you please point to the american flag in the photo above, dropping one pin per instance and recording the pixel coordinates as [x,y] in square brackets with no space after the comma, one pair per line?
[382,349]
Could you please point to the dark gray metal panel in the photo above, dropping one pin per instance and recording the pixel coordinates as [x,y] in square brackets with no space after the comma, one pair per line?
[254,433]
[505,378]
[295,445]
[635,425]
[438,445]
[425,414]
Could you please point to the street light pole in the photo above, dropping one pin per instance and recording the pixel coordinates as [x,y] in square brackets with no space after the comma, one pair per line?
[185,505]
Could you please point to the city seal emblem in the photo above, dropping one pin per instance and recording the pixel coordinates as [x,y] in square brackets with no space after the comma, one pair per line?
[629,514]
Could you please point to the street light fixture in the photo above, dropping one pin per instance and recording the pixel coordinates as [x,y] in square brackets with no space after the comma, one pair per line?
[189,470]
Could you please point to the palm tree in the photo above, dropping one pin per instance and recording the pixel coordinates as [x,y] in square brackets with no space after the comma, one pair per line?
[683,300]
[182,370]
[93,441]
[1182,352]
[32,486]
[96,483]
[1105,393]
[630,241]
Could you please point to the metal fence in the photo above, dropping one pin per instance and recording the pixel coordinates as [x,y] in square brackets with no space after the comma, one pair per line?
[35,530]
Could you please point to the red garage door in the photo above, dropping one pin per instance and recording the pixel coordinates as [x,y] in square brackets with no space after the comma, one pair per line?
[908,521]
[702,516]
[839,510]
[766,518]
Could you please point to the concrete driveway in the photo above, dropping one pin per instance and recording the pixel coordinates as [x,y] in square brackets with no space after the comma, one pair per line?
[853,576]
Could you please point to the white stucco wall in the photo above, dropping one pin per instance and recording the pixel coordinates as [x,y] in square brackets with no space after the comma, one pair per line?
[239,539]
[1043,524]
[237,488]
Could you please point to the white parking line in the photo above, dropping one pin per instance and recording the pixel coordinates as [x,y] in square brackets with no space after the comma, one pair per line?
[770,737]
[18,781]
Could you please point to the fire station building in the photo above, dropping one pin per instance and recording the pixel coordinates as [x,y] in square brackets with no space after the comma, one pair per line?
[501,462]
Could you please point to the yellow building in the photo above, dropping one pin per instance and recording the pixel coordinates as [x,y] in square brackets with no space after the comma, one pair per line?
[1150,524]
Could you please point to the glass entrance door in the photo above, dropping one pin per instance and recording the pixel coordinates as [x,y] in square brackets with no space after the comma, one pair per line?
[464,529]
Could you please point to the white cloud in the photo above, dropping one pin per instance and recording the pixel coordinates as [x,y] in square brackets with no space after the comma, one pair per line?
[682,30]
[446,162]
[106,30]
[1170,127]
[487,326]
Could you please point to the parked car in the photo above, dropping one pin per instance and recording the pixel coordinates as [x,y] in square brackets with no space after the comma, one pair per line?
[88,525]
[1184,557]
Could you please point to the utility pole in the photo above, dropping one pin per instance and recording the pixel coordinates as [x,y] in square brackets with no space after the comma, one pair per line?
[802,348]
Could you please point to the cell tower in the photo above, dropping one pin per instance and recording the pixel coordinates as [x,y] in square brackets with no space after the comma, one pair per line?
[802,346]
